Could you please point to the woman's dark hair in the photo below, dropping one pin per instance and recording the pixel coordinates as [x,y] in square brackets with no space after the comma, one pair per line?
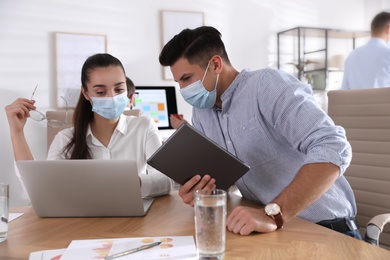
[196,45]
[83,115]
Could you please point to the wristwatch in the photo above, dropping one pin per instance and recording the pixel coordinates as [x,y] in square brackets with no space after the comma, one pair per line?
[273,210]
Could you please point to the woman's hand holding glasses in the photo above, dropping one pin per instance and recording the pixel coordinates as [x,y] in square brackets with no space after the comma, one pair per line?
[22,108]
[18,112]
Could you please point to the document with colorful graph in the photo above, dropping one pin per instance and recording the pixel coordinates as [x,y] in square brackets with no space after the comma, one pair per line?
[54,254]
[171,247]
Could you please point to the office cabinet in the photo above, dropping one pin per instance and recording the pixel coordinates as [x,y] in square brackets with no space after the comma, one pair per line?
[317,55]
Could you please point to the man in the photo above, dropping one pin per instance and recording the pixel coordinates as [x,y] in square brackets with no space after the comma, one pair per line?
[369,65]
[271,121]
[131,94]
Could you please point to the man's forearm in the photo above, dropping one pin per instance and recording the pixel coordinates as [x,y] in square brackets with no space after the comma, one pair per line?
[311,182]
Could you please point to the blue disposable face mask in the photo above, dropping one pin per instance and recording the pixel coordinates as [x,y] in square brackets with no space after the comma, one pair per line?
[198,96]
[110,107]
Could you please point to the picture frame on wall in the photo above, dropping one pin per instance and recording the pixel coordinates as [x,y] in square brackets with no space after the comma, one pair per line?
[173,22]
[71,51]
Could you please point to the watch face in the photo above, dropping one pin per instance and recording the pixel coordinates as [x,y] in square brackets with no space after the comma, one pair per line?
[272,209]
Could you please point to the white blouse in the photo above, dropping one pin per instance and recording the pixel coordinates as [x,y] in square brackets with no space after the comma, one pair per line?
[135,138]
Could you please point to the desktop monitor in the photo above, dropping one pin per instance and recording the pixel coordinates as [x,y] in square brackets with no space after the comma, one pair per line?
[158,102]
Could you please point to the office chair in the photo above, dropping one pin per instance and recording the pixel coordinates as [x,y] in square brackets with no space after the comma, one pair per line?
[133,112]
[58,115]
[365,115]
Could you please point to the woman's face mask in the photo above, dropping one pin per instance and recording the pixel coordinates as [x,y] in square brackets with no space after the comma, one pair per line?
[110,107]
[198,96]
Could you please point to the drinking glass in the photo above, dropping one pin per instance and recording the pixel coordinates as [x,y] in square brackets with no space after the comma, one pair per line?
[4,207]
[210,223]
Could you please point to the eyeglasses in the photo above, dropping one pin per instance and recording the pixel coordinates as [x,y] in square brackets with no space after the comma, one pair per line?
[39,116]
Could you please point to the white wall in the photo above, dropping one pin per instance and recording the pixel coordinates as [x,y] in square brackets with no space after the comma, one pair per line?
[372,7]
[248,28]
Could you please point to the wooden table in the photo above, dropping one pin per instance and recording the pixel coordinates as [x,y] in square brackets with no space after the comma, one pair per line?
[299,239]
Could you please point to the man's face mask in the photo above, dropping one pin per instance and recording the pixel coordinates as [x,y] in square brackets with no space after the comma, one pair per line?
[198,96]
[110,107]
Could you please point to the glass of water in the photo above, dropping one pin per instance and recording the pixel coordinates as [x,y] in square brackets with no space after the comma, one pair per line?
[4,206]
[210,223]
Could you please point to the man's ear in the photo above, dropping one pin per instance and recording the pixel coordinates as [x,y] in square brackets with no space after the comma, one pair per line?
[85,94]
[216,64]
[388,31]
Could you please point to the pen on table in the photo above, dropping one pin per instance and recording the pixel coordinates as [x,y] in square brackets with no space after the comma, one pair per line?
[127,252]
[3,219]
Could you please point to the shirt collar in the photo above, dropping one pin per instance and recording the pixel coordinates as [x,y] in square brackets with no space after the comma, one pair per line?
[227,95]
[234,85]
[121,126]
[379,41]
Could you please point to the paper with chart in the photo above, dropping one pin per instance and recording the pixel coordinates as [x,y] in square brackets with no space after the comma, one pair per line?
[54,254]
[171,247]
[13,216]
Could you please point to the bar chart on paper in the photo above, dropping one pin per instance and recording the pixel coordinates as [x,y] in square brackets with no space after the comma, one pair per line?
[176,247]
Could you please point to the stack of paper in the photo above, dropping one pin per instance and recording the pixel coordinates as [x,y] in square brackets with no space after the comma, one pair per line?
[171,247]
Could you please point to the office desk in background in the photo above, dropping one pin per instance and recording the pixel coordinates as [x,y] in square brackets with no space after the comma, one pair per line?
[169,216]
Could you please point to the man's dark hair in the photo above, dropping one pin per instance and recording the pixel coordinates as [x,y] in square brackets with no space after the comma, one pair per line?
[196,45]
[380,22]
[130,87]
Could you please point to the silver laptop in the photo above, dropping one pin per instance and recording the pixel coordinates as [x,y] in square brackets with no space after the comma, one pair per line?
[84,188]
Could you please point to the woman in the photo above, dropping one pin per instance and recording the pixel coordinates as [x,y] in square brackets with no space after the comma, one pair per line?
[100,129]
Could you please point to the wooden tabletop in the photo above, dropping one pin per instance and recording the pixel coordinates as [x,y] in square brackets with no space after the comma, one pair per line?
[298,239]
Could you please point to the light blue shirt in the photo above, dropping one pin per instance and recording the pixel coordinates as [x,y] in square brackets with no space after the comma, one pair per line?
[271,121]
[368,66]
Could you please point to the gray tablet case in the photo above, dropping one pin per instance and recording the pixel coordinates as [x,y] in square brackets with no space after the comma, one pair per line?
[187,152]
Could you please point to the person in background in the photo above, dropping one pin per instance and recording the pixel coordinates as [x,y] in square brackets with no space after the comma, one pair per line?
[369,65]
[101,130]
[271,121]
[131,94]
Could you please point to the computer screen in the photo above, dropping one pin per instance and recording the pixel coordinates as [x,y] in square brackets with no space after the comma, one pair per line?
[158,102]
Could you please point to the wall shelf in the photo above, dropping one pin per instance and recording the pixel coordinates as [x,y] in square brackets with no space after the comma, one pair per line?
[316,53]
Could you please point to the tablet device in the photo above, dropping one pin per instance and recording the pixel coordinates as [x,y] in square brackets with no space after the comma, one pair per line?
[187,152]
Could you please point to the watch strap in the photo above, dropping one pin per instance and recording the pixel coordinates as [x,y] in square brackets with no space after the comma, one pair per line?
[278,220]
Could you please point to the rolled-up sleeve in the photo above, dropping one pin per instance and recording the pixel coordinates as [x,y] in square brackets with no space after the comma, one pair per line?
[292,110]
